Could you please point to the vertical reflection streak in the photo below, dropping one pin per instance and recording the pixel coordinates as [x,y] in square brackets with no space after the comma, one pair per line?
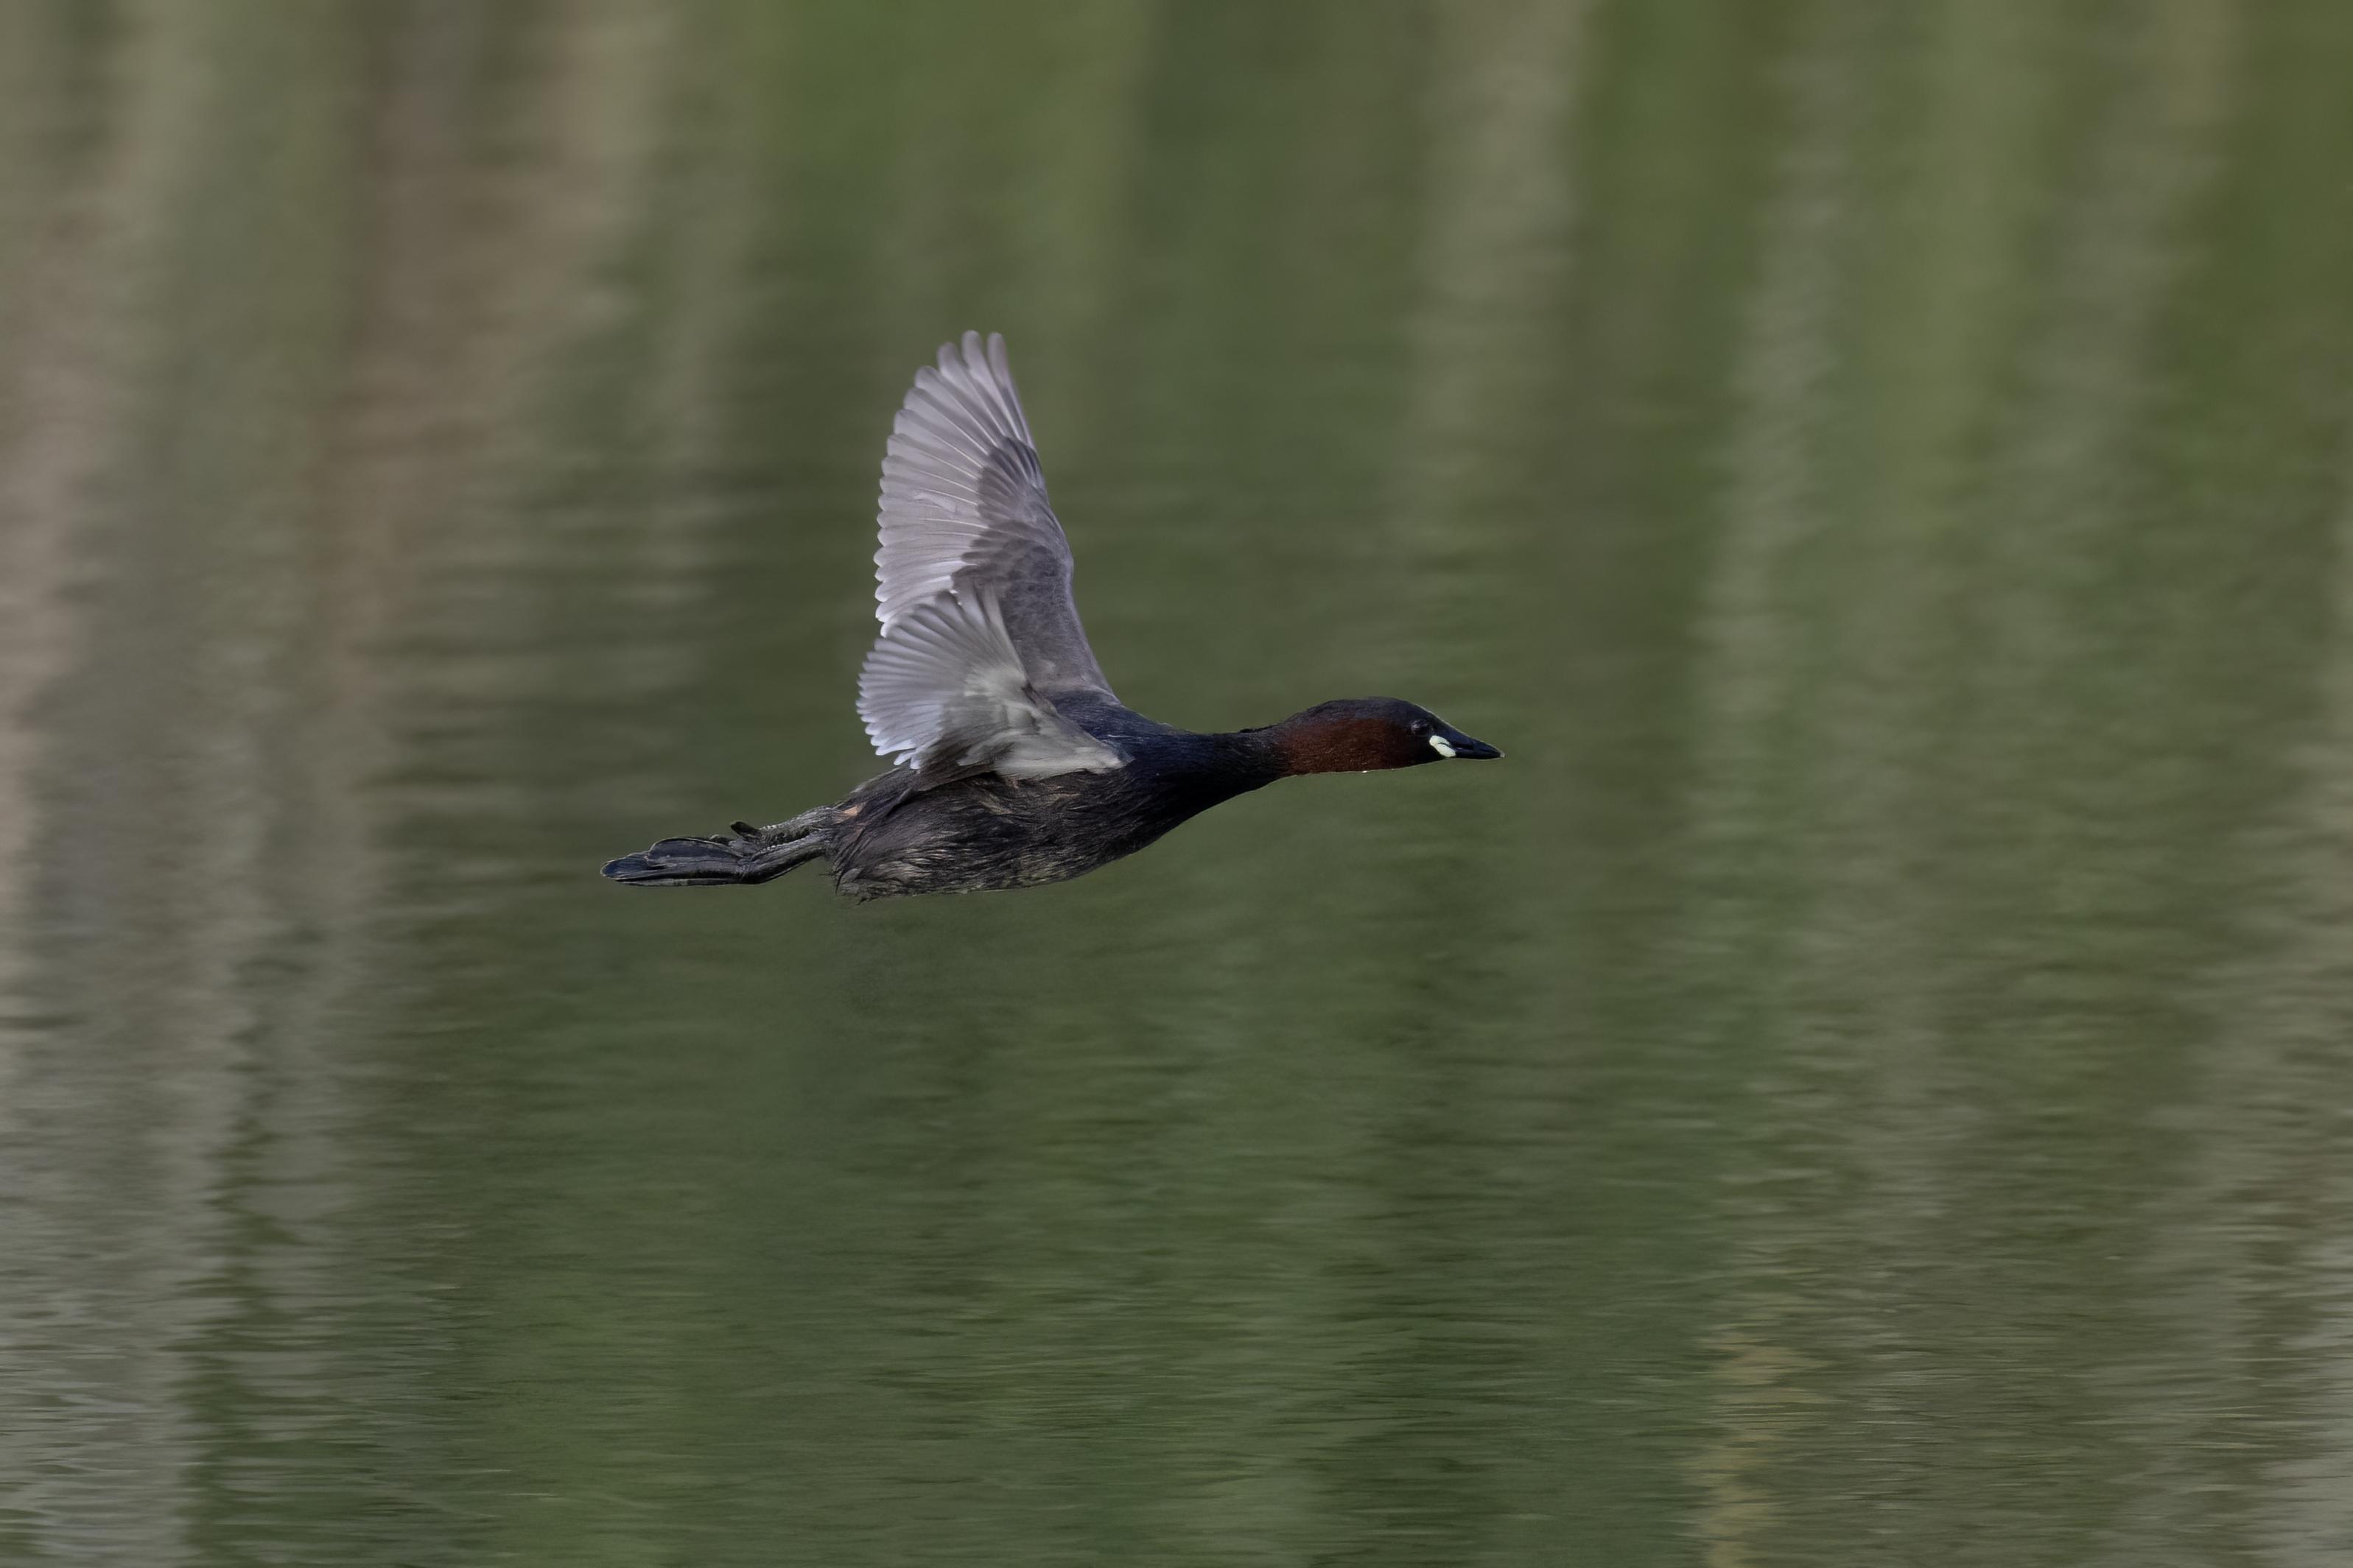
[2254,1261]
[2055,515]
[1751,679]
[140,870]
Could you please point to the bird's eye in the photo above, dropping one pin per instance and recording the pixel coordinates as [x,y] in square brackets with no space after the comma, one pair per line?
[1421,726]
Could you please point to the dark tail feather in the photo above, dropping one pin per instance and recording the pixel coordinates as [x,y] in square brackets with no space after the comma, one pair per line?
[712,862]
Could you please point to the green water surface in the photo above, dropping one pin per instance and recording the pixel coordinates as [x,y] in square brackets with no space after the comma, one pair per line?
[1865,1082]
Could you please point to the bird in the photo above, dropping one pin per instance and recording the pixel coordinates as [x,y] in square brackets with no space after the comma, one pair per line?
[1013,763]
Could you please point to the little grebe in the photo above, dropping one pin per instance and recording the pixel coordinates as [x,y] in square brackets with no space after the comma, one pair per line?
[1013,764]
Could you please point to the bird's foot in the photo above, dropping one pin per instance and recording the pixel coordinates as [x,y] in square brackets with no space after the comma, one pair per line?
[800,826]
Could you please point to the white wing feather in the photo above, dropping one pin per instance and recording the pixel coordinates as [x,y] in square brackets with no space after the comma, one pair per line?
[943,688]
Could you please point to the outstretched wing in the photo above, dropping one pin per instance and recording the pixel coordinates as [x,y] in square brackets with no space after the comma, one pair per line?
[964,502]
[944,691]
[973,586]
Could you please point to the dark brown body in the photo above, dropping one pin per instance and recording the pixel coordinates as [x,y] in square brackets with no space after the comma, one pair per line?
[892,836]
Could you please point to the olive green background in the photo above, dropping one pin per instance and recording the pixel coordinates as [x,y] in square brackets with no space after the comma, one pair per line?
[1864,1082]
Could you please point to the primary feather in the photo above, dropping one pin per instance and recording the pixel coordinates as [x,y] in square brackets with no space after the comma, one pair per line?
[973,587]
[964,503]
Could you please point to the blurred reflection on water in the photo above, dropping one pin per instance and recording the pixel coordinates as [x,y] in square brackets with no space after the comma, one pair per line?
[1865,1082]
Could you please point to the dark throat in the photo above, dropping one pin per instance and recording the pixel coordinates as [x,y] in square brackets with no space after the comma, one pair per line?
[1220,766]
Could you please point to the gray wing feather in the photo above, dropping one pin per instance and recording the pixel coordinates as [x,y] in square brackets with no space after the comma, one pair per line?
[973,586]
[944,690]
[964,500]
